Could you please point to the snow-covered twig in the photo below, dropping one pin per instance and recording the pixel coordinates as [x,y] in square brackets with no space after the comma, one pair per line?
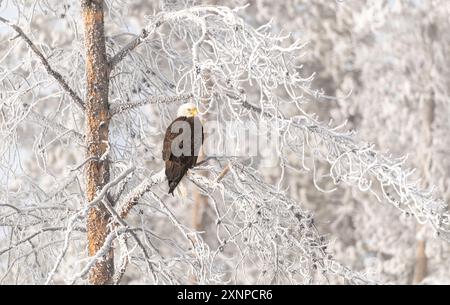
[134,43]
[358,165]
[111,184]
[63,251]
[56,75]
[119,108]
[31,236]
[55,127]
[259,207]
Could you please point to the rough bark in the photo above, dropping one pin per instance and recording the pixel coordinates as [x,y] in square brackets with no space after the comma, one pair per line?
[97,126]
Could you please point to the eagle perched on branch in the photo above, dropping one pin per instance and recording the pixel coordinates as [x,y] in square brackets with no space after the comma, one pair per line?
[182,143]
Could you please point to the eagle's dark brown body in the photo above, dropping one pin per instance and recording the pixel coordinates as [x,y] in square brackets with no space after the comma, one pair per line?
[177,164]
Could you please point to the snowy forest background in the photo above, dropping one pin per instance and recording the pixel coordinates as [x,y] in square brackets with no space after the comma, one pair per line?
[341,205]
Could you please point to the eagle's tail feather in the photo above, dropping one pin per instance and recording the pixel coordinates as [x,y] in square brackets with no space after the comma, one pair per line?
[174,174]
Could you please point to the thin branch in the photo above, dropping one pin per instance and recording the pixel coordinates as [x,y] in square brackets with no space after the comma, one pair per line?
[118,108]
[223,173]
[56,127]
[120,191]
[65,247]
[56,75]
[83,163]
[109,185]
[31,236]
[133,44]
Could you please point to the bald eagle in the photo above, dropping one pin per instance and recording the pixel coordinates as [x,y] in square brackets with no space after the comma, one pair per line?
[182,142]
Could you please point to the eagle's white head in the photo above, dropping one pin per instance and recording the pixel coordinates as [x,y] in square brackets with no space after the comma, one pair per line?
[187,110]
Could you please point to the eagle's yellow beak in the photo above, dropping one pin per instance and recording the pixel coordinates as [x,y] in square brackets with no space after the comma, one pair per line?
[194,112]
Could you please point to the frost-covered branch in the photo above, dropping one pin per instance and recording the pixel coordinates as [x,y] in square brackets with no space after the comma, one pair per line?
[99,197]
[100,254]
[119,221]
[82,213]
[127,203]
[55,127]
[124,261]
[134,43]
[362,166]
[29,237]
[56,75]
[270,229]
[266,65]
[119,108]
[68,233]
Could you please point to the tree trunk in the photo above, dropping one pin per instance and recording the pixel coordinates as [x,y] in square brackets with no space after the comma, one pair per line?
[428,109]
[200,202]
[420,268]
[97,127]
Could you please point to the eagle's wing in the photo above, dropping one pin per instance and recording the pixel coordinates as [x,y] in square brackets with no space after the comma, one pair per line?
[177,166]
[175,171]
[168,138]
[197,138]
